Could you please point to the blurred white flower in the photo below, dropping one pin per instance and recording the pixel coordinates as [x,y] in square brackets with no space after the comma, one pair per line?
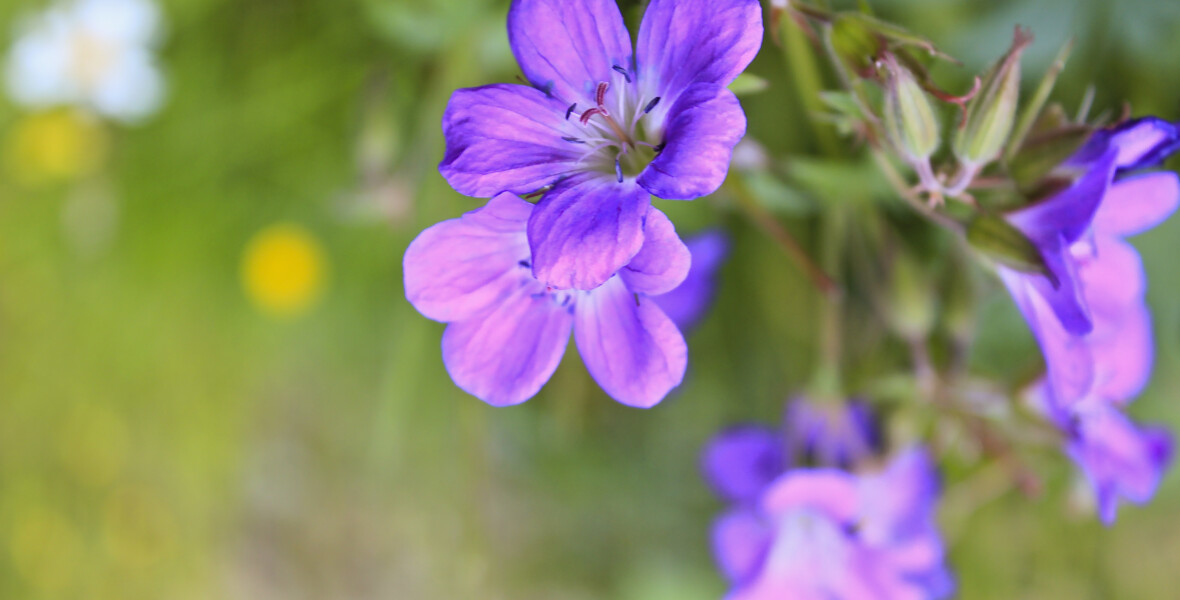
[96,54]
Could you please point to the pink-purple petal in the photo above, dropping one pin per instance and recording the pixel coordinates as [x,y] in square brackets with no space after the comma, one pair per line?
[630,347]
[682,42]
[504,137]
[585,230]
[1119,460]
[506,354]
[1068,361]
[662,262]
[702,128]
[1137,204]
[687,303]
[1068,214]
[740,540]
[458,268]
[740,462]
[569,47]
[828,491]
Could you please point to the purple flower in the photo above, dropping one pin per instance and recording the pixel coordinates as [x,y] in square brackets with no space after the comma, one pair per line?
[830,435]
[603,128]
[686,304]
[740,462]
[824,533]
[1088,315]
[507,331]
[1118,459]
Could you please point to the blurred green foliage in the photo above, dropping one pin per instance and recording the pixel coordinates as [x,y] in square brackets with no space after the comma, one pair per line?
[162,437]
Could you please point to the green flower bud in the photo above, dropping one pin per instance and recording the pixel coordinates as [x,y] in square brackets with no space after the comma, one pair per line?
[912,304]
[991,114]
[910,121]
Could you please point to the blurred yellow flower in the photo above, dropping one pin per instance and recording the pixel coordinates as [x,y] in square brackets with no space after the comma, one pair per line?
[46,549]
[283,270]
[54,146]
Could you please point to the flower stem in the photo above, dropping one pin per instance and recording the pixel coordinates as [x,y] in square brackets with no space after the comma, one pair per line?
[803,68]
[765,221]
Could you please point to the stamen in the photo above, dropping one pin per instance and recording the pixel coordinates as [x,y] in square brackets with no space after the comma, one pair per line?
[525,263]
[619,170]
[572,140]
[622,71]
[569,111]
[601,93]
[660,148]
[651,105]
[590,113]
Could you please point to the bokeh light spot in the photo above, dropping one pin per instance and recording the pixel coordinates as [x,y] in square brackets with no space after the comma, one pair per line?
[54,146]
[45,549]
[283,270]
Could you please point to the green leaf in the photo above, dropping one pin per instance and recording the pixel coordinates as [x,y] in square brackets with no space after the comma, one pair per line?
[998,239]
[1041,155]
[747,84]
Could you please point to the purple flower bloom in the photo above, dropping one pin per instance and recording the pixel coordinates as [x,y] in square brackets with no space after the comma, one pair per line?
[507,331]
[881,534]
[740,462]
[603,128]
[830,435]
[1118,459]
[686,304]
[824,533]
[1089,316]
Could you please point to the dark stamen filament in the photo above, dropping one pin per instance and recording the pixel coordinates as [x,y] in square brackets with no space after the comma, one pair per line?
[619,170]
[572,140]
[569,111]
[651,105]
[622,71]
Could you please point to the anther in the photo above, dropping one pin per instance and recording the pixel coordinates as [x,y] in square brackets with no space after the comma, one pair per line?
[623,72]
[660,148]
[569,111]
[651,105]
[600,96]
[572,140]
[619,170]
[524,263]
[590,113]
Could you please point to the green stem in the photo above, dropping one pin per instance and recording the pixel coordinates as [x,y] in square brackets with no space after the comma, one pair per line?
[804,69]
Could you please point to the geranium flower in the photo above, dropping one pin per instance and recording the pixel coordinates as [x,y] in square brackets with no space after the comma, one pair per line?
[1088,313]
[602,128]
[825,533]
[507,330]
[95,54]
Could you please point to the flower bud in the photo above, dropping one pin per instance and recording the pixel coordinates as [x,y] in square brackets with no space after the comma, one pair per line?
[912,306]
[991,114]
[910,121]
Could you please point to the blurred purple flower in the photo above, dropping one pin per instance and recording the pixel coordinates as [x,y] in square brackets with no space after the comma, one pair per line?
[1089,315]
[602,129]
[507,331]
[825,533]
[829,435]
[741,461]
[686,305]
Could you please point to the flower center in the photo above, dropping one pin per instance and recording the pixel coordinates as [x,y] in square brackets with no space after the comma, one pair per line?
[618,138]
[564,298]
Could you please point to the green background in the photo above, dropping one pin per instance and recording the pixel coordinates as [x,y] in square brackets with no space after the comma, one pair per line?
[329,455]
